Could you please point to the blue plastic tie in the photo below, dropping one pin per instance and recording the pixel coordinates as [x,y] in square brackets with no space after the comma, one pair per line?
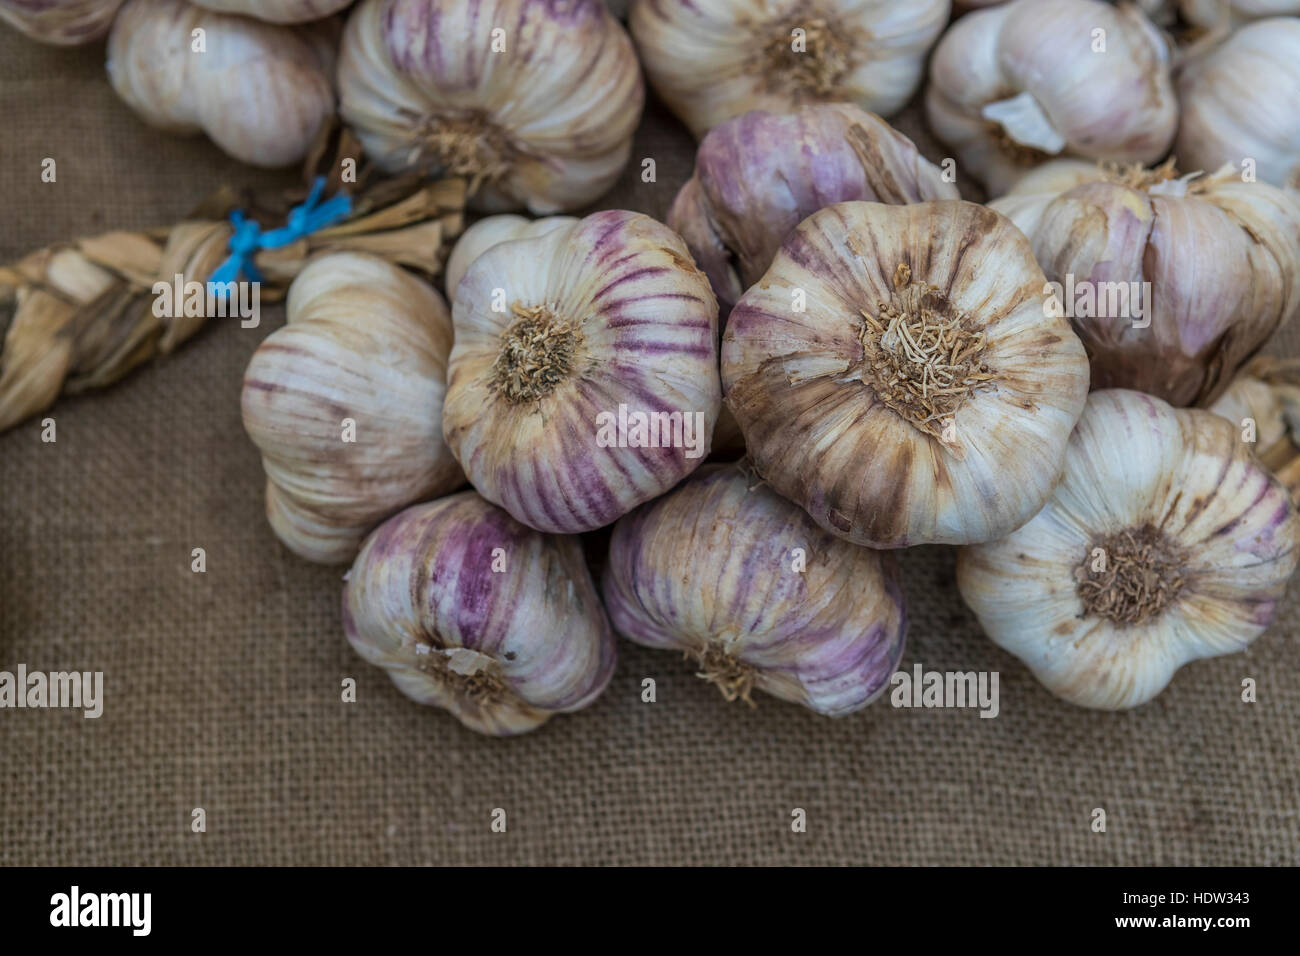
[248,239]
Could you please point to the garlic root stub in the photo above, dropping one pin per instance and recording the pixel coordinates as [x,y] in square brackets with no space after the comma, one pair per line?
[345,404]
[1165,542]
[727,571]
[584,376]
[60,22]
[898,372]
[1171,282]
[468,610]
[710,60]
[260,91]
[759,175]
[1239,103]
[277,11]
[534,103]
[1013,86]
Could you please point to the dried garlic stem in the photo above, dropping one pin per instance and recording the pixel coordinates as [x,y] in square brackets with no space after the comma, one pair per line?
[734,678]
[1140,575]
[474,677]
[921,357]
[817,69]
[467,145]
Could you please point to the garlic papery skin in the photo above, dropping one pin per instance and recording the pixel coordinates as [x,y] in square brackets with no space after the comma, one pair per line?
[710,60]
[1227,14]
[729,573]
[486,233]
[60,22]
[1165,542]
[1172,282]
[534,103]
[1015,85]
[470,611]
[899,373]
[1238,104]
[759,175]
[277,11]
[584,378]
[345,404]
[260,91]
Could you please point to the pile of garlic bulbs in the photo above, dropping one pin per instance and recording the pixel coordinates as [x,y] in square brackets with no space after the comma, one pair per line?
[824,355]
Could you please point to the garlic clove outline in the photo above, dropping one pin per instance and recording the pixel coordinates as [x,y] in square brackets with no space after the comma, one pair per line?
[470,611]
[486,233]
[60,22]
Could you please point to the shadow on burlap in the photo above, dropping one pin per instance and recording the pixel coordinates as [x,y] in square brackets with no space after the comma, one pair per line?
[222,690]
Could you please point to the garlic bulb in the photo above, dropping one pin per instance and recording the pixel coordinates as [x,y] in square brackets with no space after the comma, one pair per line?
[1238,104]
[486,233]
[535,103]
[60,22]
[260,91]
[1224,14]
[1165,542]
[1264,404]
[759,175]
[468,610]
[277,11]
[900,374]
[345,403]
[710,60]
[1172,282]
[584,378]
[788,609]
[1015,85]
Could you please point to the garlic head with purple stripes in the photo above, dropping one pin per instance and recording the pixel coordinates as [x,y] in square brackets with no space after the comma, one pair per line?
[1166,541]
[468,610]
[584,374]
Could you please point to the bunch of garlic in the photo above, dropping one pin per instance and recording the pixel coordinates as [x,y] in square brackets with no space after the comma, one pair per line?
[60,22]
[534,103]
[1165,542]
[584,376]
[490,231]
[1015,85]
[260,91]
[759,175]
[1172,282]
[710,60]
[900,373]
[345,403]
[1238,104]
[468,610]
[277,11]
[788,608]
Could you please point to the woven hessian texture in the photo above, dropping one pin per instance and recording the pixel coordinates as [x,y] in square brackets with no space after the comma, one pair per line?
[222,690]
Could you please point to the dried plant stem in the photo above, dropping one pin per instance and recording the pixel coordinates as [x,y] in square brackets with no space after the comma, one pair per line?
[79,315]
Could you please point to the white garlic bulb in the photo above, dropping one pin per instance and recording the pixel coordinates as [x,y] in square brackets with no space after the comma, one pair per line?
[584,378]
[759,175]
[486,233]
[534,103]
[1171,282]
[788,609]
[345,403]
[1015,85]
[1238,104]
[260,91]
[60,22]
[710,60]
[277,11]
[468,610]
[899,372]
[1165,542]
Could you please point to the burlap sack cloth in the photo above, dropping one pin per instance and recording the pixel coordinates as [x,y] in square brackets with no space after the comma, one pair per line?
[222,690]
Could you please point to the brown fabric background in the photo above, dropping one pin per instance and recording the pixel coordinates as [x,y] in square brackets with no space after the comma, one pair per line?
[222,689]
